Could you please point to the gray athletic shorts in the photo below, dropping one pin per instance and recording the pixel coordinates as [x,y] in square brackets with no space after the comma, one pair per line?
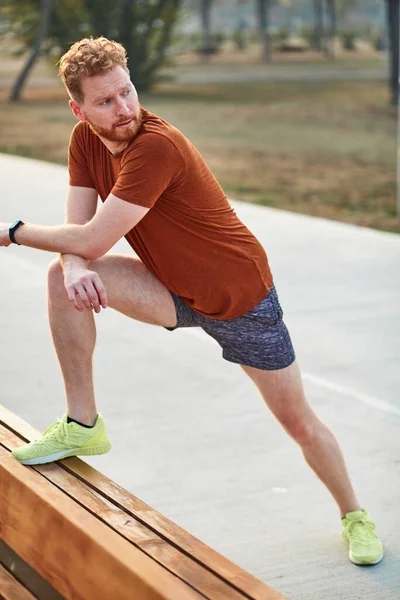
[258,339]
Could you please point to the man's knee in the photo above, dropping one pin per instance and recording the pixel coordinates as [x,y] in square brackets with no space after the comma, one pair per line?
[55,276]
[302,428]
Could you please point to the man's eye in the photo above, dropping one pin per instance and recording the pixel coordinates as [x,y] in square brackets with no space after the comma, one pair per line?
[127,92]
[106,101]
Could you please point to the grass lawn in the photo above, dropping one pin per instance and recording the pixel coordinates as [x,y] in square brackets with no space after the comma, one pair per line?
[326,149]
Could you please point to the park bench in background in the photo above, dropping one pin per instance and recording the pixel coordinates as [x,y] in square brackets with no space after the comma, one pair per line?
[67,531]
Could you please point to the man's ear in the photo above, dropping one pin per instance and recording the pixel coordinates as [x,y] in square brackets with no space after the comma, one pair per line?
[77,110]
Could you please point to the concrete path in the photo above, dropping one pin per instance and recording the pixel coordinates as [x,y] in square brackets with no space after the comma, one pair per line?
[191,436]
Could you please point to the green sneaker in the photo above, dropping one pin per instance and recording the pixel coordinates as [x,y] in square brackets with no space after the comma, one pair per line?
[64,439]
[365,546]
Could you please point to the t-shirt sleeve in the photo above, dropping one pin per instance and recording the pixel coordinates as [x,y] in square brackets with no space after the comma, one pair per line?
[148,170]
[78,167]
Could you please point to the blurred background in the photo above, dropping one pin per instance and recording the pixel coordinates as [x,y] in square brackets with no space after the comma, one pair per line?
[293,103]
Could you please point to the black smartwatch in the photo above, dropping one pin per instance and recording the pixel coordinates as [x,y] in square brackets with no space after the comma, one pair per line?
[13,229]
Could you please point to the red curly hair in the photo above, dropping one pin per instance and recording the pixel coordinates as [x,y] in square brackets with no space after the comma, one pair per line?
[88,57]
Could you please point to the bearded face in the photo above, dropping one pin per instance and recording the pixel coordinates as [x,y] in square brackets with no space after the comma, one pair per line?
[121,131]
[110,106]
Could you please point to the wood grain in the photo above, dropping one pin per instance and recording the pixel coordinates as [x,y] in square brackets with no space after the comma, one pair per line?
[165,541]
[71,548]
[152,544]
[11,589]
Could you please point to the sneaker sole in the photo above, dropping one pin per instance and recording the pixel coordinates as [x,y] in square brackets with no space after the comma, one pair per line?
[89,451]
[358,562]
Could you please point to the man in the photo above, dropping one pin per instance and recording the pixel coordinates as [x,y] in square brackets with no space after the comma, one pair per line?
[199,266]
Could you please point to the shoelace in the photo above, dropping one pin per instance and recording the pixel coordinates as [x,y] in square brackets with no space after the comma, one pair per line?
[361,531]
[59,430]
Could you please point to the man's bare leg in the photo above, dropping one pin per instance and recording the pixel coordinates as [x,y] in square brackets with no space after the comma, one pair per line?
[283,393]
[132,290]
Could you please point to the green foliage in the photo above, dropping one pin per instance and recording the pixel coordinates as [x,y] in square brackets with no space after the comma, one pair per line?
[348,39]
[144,27]
[378,42]
[309,34]
[281,35]
[377,38]
[25,27]
[239,38]
[219,38]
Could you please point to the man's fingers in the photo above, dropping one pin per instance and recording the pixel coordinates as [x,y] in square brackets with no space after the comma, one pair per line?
[83,296]
[93,296]
[101,291]
[88,293]
[78,303]
[72,296]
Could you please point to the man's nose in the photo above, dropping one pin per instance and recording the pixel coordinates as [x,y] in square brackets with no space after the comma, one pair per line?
[122,107]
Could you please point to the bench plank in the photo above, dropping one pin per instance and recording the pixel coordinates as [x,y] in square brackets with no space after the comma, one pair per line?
[26,575]
[165,541]
[70,548]
[11,589]
[152,544]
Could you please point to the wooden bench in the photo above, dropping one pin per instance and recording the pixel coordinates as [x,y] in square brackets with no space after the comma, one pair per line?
[66,531]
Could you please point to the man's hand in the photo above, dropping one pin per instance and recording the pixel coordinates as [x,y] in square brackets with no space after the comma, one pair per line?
[84,288]
[5,234]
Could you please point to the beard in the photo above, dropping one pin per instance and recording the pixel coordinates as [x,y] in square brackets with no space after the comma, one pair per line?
[115,133]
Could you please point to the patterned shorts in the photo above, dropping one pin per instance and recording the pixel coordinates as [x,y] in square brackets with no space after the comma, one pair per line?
[258,339]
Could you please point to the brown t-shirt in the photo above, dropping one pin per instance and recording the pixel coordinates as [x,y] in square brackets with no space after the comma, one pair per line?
[191,239]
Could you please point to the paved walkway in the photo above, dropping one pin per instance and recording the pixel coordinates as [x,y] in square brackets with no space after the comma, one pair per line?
[191,436]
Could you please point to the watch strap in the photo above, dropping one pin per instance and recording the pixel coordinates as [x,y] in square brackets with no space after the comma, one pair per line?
[13,229]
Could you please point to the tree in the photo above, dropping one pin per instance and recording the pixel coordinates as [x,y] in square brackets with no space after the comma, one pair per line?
[393,15]
[45,8]
[207,46]
[144,27]
[331,28]
[263,13]
[344,6]
[318,24]
[325,25]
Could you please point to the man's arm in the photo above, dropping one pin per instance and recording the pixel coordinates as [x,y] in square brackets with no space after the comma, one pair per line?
[84,287]
[91,240]
[81,208]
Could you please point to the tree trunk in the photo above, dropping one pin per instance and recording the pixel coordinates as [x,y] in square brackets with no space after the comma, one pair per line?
[100,13]
[318,25]
[263,7]
[205,13]
[162,45]
[43,28]
[127,22]
[331,14]
[392,7]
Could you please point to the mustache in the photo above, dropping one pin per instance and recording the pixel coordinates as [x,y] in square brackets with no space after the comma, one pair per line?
[129,118]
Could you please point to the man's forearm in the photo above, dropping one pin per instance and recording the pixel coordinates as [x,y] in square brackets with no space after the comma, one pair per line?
[72,260]
[67,239]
